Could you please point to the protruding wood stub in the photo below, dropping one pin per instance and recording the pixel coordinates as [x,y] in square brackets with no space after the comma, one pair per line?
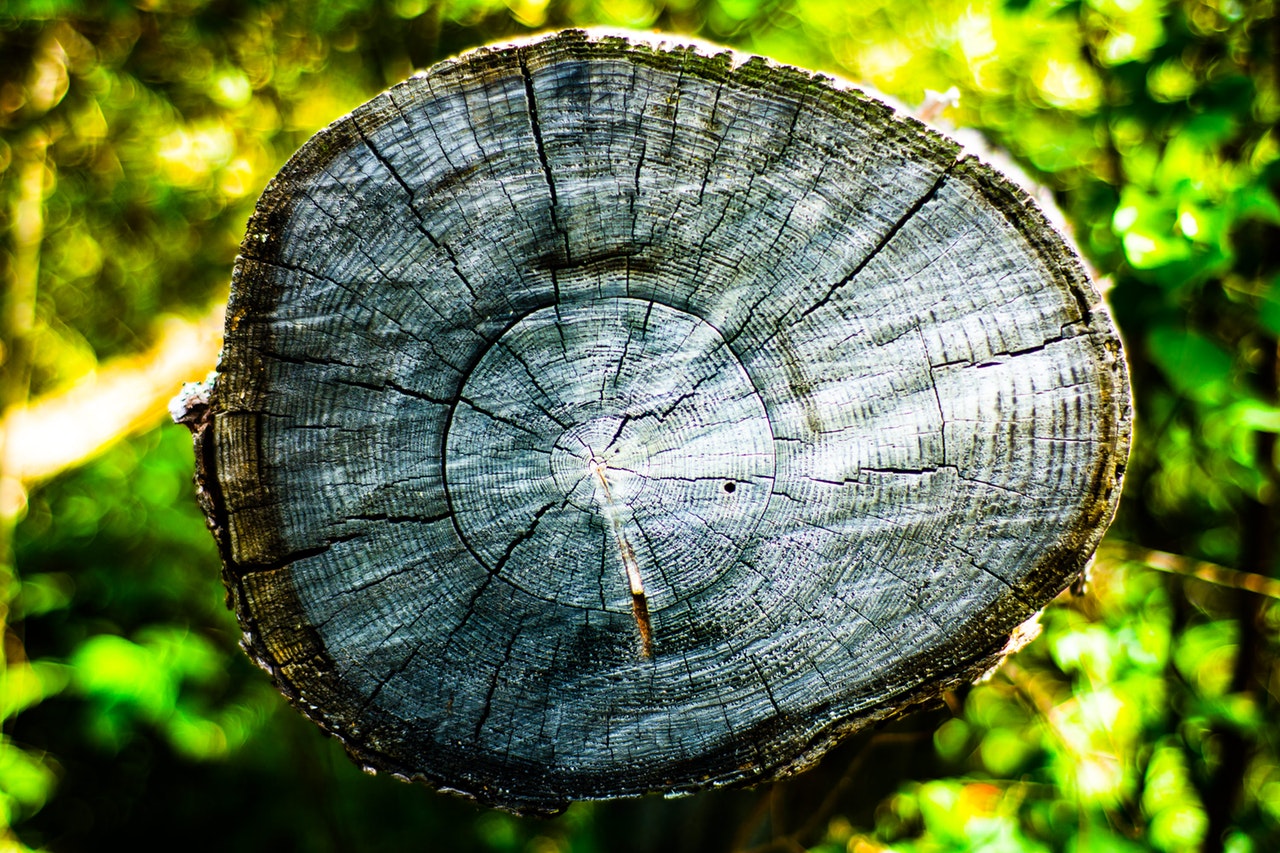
[598,418]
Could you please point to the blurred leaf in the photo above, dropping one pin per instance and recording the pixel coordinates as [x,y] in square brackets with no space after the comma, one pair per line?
[117,671]
[1005,752]
[1089,649]
[1204,654]
[26,781]
[1193,364]
[39,594]
[952,739]
[1177,819]
[25,684]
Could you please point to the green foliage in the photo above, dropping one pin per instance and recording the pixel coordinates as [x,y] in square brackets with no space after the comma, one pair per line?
[1145,716]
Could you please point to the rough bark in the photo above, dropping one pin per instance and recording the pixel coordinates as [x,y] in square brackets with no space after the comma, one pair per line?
[598,419]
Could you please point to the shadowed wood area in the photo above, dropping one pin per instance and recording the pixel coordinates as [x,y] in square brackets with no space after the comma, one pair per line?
[598,419]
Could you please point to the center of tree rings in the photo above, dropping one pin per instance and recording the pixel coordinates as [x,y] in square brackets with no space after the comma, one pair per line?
[592,425]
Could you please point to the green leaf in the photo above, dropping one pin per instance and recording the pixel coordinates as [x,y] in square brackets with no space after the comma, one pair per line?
[1005,751]
[115,670]
[38,594]
[1193,364]
[26,684]
[26,781]
[951,739]
[1146,224]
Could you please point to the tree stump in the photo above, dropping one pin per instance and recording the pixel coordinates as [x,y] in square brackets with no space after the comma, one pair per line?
[599,418]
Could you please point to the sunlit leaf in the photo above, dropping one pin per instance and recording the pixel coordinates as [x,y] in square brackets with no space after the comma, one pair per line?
[25,684]
[952,739]
[1204,654]
[1005,752]
[1177,818]
[1191,362]
[26,780]
[115,670]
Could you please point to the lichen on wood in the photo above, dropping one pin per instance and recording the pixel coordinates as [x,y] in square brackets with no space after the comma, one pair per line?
[599,418]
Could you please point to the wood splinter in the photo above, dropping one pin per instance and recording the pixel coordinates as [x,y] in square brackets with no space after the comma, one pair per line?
[639,603]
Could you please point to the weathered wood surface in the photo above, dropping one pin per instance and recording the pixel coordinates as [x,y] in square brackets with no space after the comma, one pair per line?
[597,420]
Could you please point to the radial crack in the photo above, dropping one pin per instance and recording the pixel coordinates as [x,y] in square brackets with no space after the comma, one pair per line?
[542,152]
[884,240]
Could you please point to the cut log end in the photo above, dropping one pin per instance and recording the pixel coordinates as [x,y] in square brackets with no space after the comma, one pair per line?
[598,419]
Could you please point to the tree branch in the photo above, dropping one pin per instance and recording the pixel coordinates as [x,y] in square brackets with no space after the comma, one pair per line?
[68,427]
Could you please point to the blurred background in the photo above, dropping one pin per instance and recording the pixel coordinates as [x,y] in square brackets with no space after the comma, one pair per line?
[134,139]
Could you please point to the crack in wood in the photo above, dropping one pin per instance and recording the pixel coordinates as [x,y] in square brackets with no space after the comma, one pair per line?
[525,536]
[487,705]
[413,653]
[413,208]
[456,169]
[884,239]
[494,416]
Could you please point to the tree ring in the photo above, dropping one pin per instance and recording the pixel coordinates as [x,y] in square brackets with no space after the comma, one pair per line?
[621,417]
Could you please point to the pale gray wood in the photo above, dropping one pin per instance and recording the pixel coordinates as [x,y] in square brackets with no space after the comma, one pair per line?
[597,419]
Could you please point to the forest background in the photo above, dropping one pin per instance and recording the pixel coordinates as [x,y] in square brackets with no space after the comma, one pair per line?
[134,139]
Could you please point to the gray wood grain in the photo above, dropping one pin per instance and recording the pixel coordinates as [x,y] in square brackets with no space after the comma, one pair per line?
[598,419]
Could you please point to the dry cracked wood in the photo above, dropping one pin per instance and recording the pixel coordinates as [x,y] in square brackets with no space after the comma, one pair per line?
[598,419]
